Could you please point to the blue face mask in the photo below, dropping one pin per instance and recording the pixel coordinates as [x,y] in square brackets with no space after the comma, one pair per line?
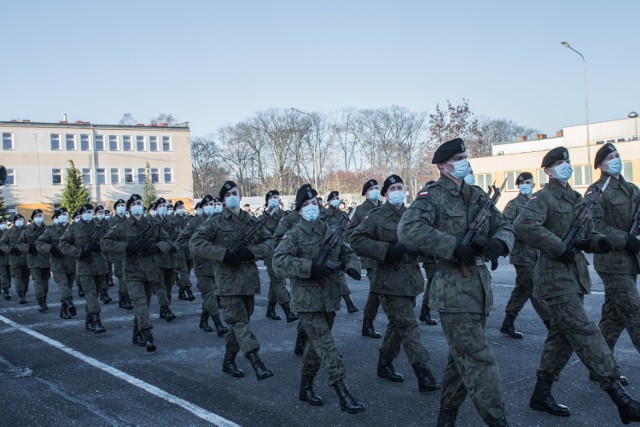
[470,179]
[217,209]
[274,203]
[162,210]
[460,169]
[120,210]
[38,220]
[19,223]
[335,203]
[614,167]
[396,198]
[153,214]
[198,212]
[208,210]
[525,189]
[563,171]
[87,217]
[136,210]
[373,195]
[310,212]
[232,201]
[63,219]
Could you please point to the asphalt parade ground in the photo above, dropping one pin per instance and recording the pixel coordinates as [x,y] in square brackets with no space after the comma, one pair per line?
[54,373]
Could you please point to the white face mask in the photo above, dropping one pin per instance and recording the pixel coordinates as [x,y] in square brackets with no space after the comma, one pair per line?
[107,217]
[38,221]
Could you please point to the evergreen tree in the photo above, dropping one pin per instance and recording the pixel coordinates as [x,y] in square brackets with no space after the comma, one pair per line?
[75,194]
[4,214]
[149,194]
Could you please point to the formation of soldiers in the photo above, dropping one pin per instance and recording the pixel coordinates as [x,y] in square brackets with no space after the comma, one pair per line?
[315,247]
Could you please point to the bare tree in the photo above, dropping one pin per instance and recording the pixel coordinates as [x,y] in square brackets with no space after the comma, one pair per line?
[456,121]
[238,156]
[164,119]
[127,120]
[208,172]
[501,130]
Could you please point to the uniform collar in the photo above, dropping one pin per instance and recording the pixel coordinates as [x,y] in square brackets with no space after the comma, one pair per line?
[451,186]
[392,209]
[313,227]
[557,189]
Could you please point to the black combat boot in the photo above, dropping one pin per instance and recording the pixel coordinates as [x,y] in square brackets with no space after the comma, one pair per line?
[425,316]
[291,316]
[104,296]
[509,329]
[166,314]
[182,295]
[348,403]
[547,323]
[229,365]
[98,324]
[88,323]
[368,330]
[628,409]
[23,297]
[386,370]
[5,294]
[271,311]
[351,307]
[542,400]
[262,373]
[64,309]
[447,417]
[500,422]
[624,381]
[41,305]
[307,393]
[426,380]
[46,307]
[190,295]
[124,302]
[204,321]
[219,302]
[72,308]
[221,330]
[148,340]
[137,338]
[301,341]
[80,291]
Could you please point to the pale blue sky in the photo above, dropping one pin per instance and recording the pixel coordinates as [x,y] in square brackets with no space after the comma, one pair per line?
[213,63]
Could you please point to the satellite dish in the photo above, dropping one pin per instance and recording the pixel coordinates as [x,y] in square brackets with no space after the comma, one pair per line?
[3,175]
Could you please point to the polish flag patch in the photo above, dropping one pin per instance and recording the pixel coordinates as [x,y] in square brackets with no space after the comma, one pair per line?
[424,194]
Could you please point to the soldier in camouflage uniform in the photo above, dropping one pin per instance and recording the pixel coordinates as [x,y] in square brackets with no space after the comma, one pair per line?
[524,258]
[101,222]
[17,259]
[398,281]
[63,267]
[5,271]
[117,258]
[278,293]
[429,267]
[316,296]
[333,217]
[236,274]
[166,261]
[204,269]
[81,241]
[38,264]
[184,260]
[561,278]
[435,223]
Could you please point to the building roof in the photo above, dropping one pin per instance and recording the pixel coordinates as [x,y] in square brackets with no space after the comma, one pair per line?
[81,124]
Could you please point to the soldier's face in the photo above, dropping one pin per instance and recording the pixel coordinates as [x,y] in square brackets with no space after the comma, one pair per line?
[527,181]
[448,165]
[394,187]
[549,171]
[233,192]
[313,201]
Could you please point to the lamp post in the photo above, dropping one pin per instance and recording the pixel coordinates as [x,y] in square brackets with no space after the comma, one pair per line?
[586,104]
[314,153]
[633,115]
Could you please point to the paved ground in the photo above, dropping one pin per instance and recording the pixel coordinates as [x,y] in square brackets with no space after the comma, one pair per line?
[53,372]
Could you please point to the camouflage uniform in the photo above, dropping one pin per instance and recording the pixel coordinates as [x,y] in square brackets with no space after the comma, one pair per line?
[117,258]
[434,223]
[429,267]
[278,293]
[166,262]
[543,223]
[5,274]
[62,267]
[184,259]
[333,217]
[104,291]
[38,264]
[17,262]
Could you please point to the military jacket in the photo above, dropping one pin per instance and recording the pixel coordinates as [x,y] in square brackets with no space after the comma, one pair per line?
[271,224]
[137,267]
[75,239]
[612,216]
[217,234]
[168,259]
[434,223]
[522,253]
[361,212]
[181,222]
[293,258]
[51,237]
[286,223]
[543,223]
[332,217]
[201,266]
[113,222]
[27,238]
[372,237]
[4,256]
[10,240]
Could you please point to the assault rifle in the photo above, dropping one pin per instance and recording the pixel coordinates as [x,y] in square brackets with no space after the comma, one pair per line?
[330,244]
[248,235]
[101,230]
[571,237]
[635,222]
[479,221]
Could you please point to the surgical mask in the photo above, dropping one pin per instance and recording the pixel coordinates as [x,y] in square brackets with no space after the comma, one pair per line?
[209,210]
[217,209]
[136,210]
[563,171]
[199,212]
[525,189]
[232,201]
[396,197]
[162,210]
[153,214]
[38,221]
[335,203]
[63,219]
[120,210]
[310,212]
[87,217]
[54,221]
[470,179]
[373,195]
[274,203]
[3,227]
[180,211]
[107,217]
[77,219]
[127,214]
[460,169]
[169,211]
[19,223]
[100,216]
[614,167]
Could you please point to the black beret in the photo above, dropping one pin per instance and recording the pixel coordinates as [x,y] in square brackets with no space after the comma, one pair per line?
[118,202]
[178,204]
[84,208]
[304,193]
[35,212]
[198,205]
[393,179]
[367,185]
[169,206]
[217,200]
[602,154]
[17,216]
[99,208]
[58,212]
[446,150]
[225,188]
[558,153]
[332,195]
[160,201]
[133,198]
[206,199]
[269,195]
[523,177]
[76,214]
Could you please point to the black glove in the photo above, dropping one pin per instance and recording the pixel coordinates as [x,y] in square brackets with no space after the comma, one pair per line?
[394,253]
[464,253]
[494,264]
[493,248]
[173,249]
[231,259]
[152,250]
[318,271]
[135,248]
[632,244]
[55,252]
[85,254]
[582,244]
[245,254]
[14,251]
[605,244]
[354,274]
[95,247]
[32,250]
[567,256]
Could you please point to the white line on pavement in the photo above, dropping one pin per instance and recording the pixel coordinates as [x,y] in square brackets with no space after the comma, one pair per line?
[194,409]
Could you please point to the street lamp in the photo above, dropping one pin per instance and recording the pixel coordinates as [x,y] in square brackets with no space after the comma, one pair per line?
[634,115]
[315,147]
[586,103]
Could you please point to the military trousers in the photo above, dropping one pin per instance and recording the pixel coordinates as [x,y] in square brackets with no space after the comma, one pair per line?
[278,293]
[20,274]
[167,277]
[40,278]
[523,291]
[237,313]
[159,289]
[183,269]
[403,330]
[207,288]
[5,276]
[108,276]
[471,366]
[140,294]
[64,281]
[372,305]
[119,273]
[91,285]
[430,271]
[320,348]
[572,330]
[621,308]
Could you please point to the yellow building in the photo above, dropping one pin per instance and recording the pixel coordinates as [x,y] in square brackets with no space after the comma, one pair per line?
[112,159]
[512,157]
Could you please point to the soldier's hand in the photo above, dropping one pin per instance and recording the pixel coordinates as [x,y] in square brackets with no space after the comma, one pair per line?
[567,256]
[173,249]
[85,254]
[354,274]
[318,271]
[14,251]
[231,259]
[55,252]
[95,247]
[152,250]
[135,248]
[32,250]
[582,244]
[464,253]
[494,264]
[632,244]
[493,249]
[394,253]
[245,254]
[605,244]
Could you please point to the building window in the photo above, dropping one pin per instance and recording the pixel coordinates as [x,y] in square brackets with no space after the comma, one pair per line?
[99,142]
[155,175]
[140,175]
[543,178]
[128,176]
[55,142]
[126,143]
[168,175]
[153,143]
[101,176]
[56,176]
[71,142]
[113,142]
[11,177]
[483,180]
[581,176]
[627,171]
[511,180]
[7,141]
[86,175]
[140,143]
[166,143]
[115,176]
[84,142]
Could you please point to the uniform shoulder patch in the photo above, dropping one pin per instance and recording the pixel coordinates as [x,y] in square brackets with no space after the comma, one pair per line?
[423,193]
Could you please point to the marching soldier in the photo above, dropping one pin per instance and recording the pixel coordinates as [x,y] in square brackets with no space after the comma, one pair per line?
[316,296]
[17,259]
[435,223]
[236,275]
[561,278]
[38,264]
[184,260]
[102,223]
[5,271]
[524,258]
[164,260]
[398,281]
[117,258]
